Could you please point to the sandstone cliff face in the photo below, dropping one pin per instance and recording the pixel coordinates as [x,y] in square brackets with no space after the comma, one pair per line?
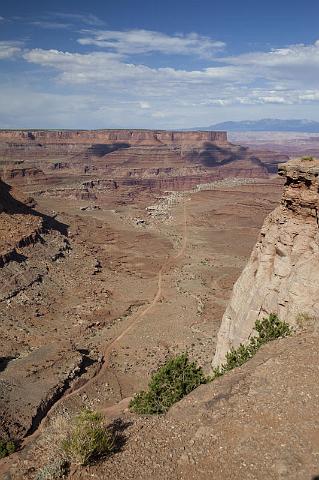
[148,159]
[282,275]
[109,136]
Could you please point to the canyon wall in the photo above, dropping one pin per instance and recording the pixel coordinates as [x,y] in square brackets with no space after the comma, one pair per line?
[110,136]
[67,161]
[282,275]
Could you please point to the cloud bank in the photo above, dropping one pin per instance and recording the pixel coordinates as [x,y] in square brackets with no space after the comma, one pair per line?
[146,41]
[125,91]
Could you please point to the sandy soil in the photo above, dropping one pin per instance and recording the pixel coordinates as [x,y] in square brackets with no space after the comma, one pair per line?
[176,273]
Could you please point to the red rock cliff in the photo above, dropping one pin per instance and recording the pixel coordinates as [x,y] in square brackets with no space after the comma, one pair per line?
[282,275]
[150,159]
[110,136]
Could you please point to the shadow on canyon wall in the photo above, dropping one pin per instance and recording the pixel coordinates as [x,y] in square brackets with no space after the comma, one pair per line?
[101,149]
[12,206]
[214,155]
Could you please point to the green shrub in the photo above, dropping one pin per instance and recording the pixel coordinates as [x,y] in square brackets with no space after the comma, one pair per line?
[267,329]
[6,448]
[172,381]
[239,356]
[89,439]
[178,377]
[270,328]
[55,470]
[307,159]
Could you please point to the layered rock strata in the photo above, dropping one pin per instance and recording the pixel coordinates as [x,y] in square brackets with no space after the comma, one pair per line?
[282,275]
[120,135]
[122,160]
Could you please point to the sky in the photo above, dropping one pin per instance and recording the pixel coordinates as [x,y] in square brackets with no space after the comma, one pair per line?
[156,64]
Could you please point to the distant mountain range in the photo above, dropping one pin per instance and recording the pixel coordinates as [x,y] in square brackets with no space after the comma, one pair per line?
[266,125]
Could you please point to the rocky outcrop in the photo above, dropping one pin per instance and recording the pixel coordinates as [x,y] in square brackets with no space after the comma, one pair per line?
[40,271]
[282,275]
[41,377]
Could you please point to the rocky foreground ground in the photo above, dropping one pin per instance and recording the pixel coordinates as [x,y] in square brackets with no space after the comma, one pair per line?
[257,422]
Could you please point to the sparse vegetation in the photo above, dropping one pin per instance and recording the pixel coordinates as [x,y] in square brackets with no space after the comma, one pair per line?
[267,329]
[6,447]
[55,470]
[178,376]
[270,328]
[172,381]
[89,439]
[307,158]
[304,320]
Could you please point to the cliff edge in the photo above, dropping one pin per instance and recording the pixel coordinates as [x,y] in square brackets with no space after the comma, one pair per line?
[282,274]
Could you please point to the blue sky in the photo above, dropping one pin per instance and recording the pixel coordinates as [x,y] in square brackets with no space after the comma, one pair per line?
[151,64]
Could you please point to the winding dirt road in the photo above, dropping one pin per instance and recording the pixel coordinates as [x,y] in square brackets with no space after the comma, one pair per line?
[135,319]
[4,464]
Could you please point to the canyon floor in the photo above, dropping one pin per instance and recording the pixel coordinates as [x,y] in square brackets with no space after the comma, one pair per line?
[139,282]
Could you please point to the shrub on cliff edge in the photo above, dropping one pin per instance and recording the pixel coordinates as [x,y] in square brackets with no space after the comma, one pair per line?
[267,329]
[178,377]
[172,381]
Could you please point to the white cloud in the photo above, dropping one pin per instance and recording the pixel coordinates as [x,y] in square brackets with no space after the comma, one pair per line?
[146,41]
[295,65]
[103,67]
[59,20]
[50,25]
[86,19]
[310,95]
[220,102]
[9,49]
[280,71]
[272,99]
[116,91]
[294,55]
[96,68]
[24,107]
[238,83]
[144,105]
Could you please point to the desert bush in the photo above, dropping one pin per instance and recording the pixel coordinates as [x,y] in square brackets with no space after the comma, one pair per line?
[304,320]
[270,328]
[178,376]
[88,439]
[55,470]
[172,381]
[6,447]
[267,329]
[307,158]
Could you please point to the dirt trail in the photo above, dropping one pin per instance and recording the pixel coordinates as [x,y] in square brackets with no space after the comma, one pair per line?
[107,352]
